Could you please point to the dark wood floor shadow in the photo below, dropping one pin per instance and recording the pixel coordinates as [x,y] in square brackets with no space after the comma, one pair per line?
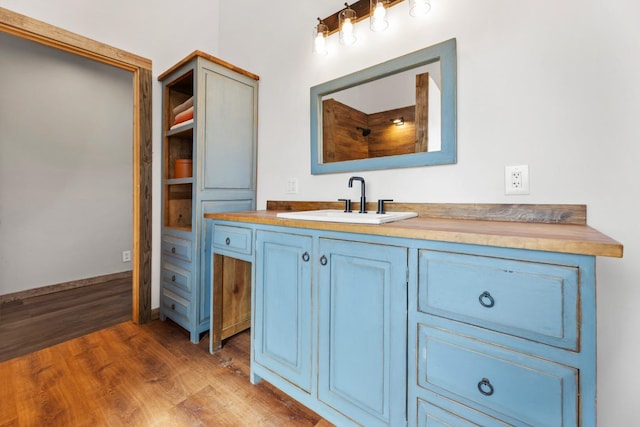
[38,322]
[143,375]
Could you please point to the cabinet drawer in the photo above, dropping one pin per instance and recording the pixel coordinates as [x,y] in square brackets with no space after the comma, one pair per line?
[524,388]
[176,307]
[176,247]
[235,239]
[176,277]
[431,415]
[527,299]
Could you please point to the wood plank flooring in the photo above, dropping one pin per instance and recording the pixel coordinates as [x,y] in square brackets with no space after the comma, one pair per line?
[37,322]
[142,375]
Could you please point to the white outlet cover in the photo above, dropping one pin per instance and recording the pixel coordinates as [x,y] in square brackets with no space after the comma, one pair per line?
[510,187]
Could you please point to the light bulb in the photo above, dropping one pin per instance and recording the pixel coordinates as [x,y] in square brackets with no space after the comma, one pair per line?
[320,44]
[347,27]
[419,7]
[348,37]
[379,18]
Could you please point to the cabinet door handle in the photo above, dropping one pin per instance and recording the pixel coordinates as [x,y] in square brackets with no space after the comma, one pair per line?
[485,387]
[486,300]
[173,250]
[323,260]
[173,278]
[305,256]
[227,241]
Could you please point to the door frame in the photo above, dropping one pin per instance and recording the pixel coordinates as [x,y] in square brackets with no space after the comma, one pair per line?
[40,32]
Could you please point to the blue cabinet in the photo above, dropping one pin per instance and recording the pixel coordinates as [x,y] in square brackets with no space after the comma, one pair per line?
[330,324]
[362,306]
[392,331]
[218,141]
[283,307]
[503,337]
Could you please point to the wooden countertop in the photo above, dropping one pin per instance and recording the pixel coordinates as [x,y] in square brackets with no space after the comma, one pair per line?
[565,238]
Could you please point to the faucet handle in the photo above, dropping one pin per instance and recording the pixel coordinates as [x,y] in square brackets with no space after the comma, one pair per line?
[381,205]
[347,204]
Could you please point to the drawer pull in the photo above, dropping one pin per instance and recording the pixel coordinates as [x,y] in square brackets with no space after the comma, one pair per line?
[486,300]
[173,278]
[485,387]
[173,250]
[227,241]
[173,307]
[323,260]
[305,256]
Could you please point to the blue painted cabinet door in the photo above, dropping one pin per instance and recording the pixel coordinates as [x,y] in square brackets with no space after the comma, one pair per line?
[283,306]
[362,331]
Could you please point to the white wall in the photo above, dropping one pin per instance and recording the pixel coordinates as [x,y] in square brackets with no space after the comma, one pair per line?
[549,84]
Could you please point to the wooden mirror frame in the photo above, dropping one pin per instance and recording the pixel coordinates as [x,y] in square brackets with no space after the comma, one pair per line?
[40,32]
[445,52]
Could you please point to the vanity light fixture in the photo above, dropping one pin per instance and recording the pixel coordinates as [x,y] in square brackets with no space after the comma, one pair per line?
[398,121]
[320,40]
[346,21]
[419,7]
[378,18]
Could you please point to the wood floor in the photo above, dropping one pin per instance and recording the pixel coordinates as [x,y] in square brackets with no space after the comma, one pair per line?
[37,322]
[142,375]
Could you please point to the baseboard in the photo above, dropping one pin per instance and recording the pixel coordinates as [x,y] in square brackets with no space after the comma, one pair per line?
[44,290]
[155,313]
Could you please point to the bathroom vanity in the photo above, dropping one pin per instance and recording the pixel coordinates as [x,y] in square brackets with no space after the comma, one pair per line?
[429,320]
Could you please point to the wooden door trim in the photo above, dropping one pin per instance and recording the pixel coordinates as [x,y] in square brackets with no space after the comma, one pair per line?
[31,29]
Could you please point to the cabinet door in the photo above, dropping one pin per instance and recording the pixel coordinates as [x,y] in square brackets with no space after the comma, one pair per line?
[283,306]
[229,131]
[362,331]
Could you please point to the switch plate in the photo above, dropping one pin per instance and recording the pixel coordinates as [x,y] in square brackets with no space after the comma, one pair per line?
[126,256]
[292,186]
[516,179]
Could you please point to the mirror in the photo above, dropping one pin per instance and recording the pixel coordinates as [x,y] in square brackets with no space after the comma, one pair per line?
[400,113]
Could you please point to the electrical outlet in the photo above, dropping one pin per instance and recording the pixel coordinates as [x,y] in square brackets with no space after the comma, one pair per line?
[516,179]
[292,186]
[126,256]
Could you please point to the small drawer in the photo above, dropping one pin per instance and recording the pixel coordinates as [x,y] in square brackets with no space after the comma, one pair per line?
[176,247]
[506,383]
[527,299]
[176,308]
[431,415]
[235,239]
[176,277]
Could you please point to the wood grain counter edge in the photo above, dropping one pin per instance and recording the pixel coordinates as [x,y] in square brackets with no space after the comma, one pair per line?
[563,238]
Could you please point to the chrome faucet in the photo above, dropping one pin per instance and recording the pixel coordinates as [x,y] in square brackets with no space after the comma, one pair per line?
[363,198]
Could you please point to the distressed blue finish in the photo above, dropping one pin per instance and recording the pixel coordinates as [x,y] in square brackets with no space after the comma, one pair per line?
[224,162]
[362,326]
[391,332]
[533,300]
[444,52]
[282,318]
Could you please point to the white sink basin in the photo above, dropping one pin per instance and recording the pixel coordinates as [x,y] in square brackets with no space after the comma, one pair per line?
[334,215]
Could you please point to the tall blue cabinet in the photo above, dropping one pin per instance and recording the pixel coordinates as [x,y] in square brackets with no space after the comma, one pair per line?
[219,143]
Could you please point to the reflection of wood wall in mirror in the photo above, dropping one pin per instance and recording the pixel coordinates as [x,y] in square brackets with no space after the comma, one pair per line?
[422,113]
[342,141]
[387,139]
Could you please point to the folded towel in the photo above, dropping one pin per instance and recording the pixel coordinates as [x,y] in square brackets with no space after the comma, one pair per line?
[184,106]
[177,125]
[185,115]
